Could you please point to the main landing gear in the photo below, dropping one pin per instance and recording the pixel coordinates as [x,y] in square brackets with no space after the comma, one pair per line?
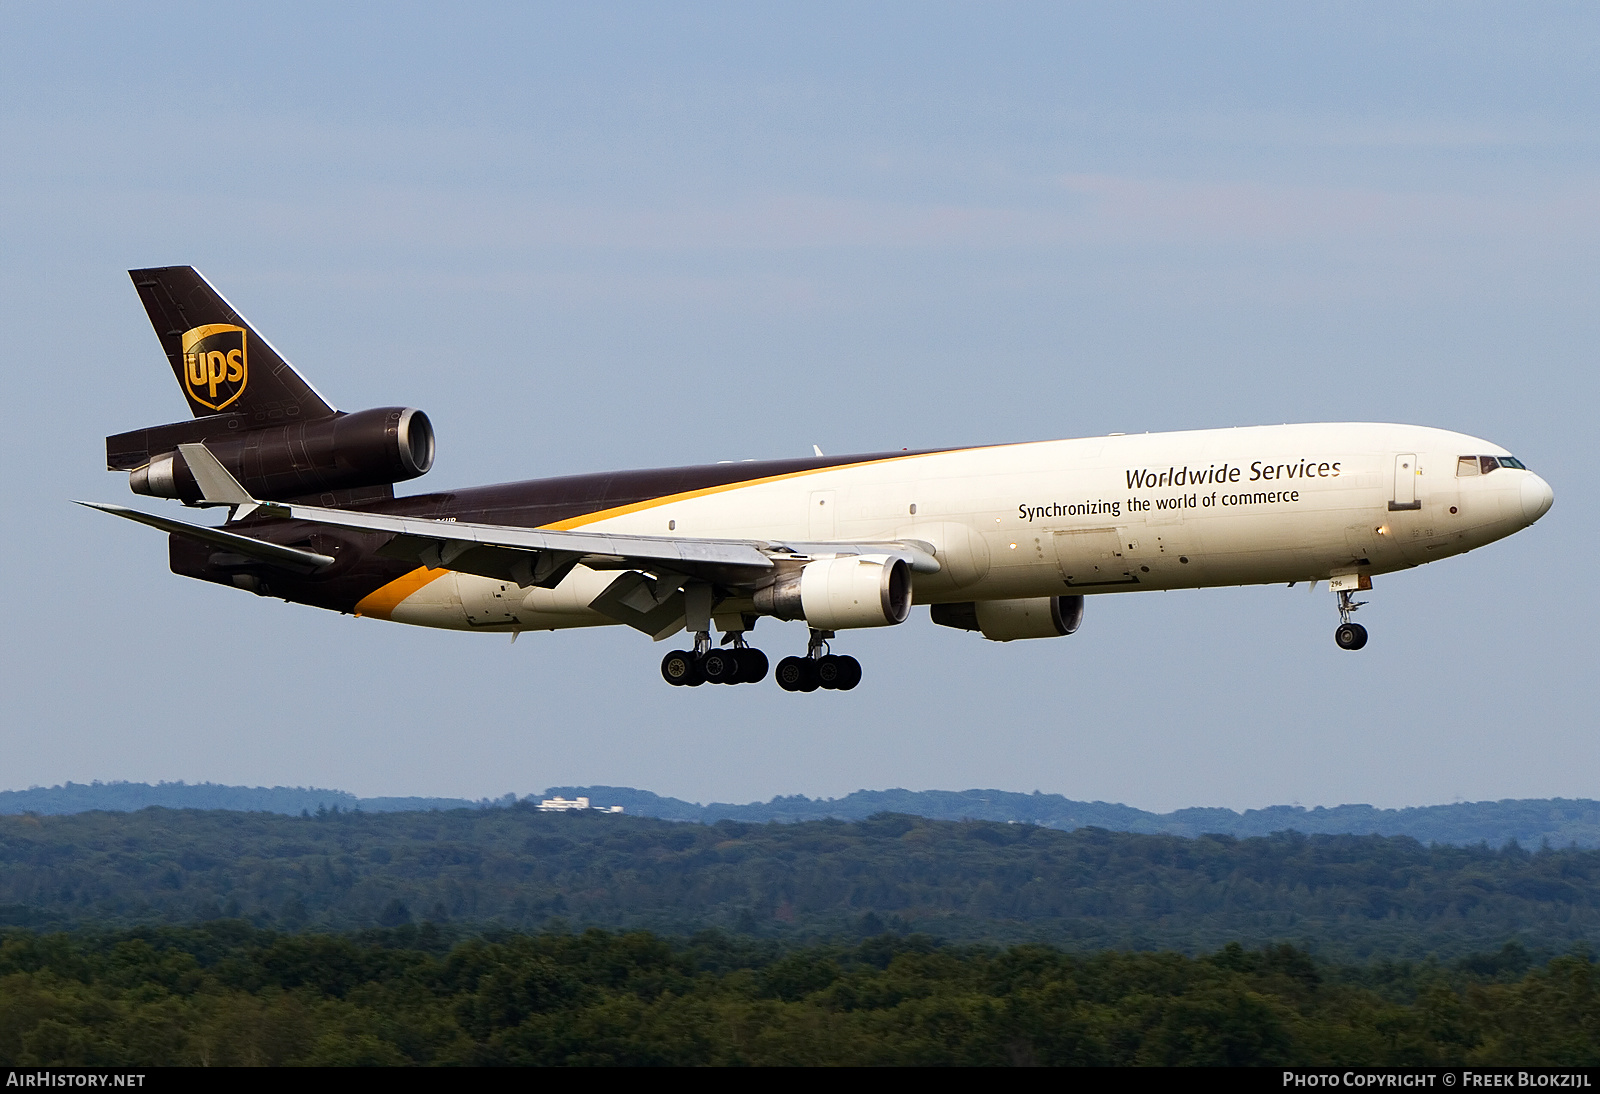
[743,664]
[818,669]
[740,664]
[1349,636]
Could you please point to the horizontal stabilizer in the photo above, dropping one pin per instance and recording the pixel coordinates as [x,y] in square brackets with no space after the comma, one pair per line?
[273,554]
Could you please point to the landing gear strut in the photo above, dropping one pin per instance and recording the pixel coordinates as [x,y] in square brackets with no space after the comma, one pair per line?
[1349,636]
[818,668]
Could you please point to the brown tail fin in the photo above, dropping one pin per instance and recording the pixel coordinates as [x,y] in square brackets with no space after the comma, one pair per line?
[222,364]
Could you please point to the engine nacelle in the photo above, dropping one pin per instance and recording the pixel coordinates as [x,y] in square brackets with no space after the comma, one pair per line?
[1006,620]
[837,594]
[377,447]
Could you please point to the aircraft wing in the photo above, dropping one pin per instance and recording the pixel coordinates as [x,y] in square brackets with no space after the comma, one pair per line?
[536,556]
[542,557]
[528,556]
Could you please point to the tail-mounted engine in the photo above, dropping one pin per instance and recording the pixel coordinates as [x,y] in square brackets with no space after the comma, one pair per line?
[370,448]
[1005,620]
[837,594]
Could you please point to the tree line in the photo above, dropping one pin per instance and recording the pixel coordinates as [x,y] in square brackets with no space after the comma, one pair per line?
[1344,898]
[228,993]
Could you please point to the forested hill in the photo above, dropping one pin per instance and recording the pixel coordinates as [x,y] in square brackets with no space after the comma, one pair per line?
[1561,822]
[1347,897]
[124,797]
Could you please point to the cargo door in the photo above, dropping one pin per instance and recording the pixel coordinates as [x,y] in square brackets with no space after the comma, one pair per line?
[1405,482]
[1092,556]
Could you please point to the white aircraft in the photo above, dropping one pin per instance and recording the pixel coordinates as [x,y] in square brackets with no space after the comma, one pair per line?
[1005,540]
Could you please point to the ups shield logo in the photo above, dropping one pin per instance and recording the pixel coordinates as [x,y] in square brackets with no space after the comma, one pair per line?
[216,365]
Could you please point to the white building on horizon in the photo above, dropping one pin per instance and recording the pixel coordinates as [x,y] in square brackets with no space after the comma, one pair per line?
[567,805]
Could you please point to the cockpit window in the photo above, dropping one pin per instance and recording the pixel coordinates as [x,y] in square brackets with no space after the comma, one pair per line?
[1482,465]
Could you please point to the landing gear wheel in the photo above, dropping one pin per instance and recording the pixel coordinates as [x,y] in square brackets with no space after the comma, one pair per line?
[797,674]
[1350,636]
[828,672]
[722,666]
[849,673]
[680,668]
[838,673]
[752,666]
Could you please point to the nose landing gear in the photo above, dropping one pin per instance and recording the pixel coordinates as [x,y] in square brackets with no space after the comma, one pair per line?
[1348,635]
[818,669]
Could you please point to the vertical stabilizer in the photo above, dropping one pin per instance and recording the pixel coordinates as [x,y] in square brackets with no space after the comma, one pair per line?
[222,364]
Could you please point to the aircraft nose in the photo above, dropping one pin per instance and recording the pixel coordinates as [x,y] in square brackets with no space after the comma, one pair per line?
[1536,498]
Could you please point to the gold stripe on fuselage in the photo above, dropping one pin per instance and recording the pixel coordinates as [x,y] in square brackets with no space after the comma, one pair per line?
[382,602]
[671,499]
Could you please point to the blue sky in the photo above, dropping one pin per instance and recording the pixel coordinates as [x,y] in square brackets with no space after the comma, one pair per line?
[631,235]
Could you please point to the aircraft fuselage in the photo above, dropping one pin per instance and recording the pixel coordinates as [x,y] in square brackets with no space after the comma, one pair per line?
[1133,513]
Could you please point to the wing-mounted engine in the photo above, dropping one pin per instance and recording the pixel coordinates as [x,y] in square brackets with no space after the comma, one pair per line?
[295,459]
[836,594]
[1006,620]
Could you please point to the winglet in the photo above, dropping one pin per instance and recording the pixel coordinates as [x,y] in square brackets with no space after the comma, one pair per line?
[217,487]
